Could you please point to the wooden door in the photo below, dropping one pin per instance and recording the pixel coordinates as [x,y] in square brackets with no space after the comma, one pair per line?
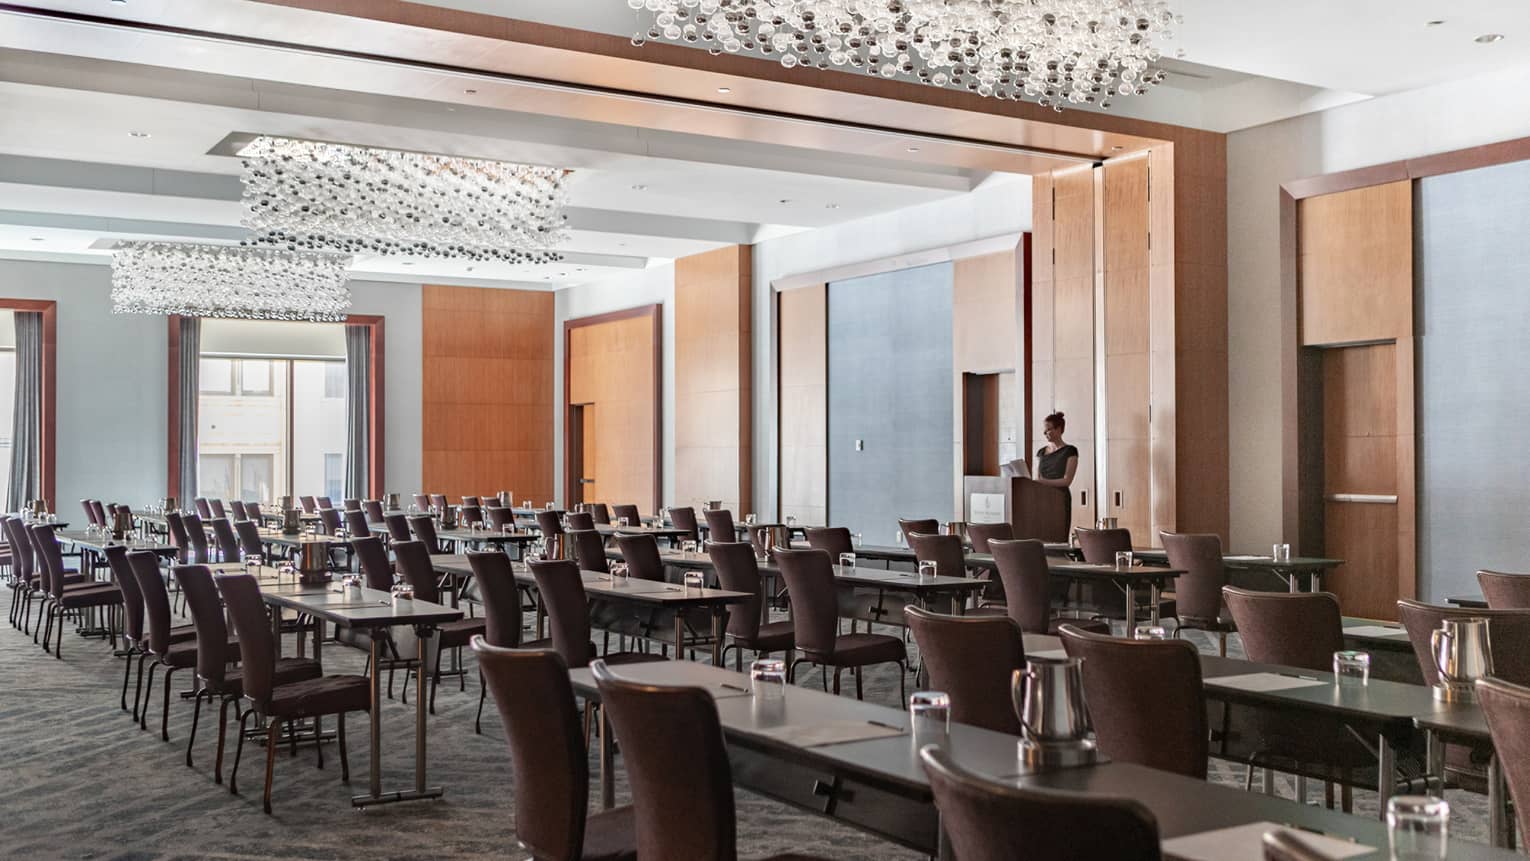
[1126,484]
[1072,333]
[589,461]
[1361,451]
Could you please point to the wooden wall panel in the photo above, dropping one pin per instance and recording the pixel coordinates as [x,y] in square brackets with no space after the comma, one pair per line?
[986,292]
[1073,329]
[613,364]
[1355,263]
[487,400]
[713,379]
[1124,219]
[803,375]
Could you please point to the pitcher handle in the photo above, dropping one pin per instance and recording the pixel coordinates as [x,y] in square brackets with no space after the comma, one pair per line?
[1434,648]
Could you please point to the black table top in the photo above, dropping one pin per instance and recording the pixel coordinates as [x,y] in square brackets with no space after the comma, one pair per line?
[1158,556]
[276,536]
[489,536]
[598,585]
[363,608]
[100,542]
[1395,640]
[876,578]
[655,531]
[1471,602]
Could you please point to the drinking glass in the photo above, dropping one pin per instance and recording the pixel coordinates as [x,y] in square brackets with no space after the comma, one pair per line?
[618,573]
[847,563]
[855,539]
[551,506]
[1149,632]
[694,580]
[767,678]
[687,547]
[526,504]
[1418,827]
[252,564]
[402,592]
[791,520]
[286,569]
[1282,553]
[749,520]
[1352,668]
[898,538]
[622,521]
[928,568]
[929,714]
[1123,559]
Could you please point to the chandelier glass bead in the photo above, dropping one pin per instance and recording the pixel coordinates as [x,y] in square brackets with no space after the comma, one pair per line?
[229,281]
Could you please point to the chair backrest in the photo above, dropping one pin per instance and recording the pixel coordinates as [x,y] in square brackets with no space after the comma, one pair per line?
[351,504]
[990,821]
[196,533]
[1022,564]
[217,508]
[719,523]
[1508,638]
[228,543]
[257,651]
[568,613]
[921,526]
[1505,591]
[470,514]
[684,517]
[237,507]
[422,502]
[253,510]
[356,523]
[628,511]
[398,527]
[641,553]
[309,504]
[1283,844]
[424,528]
[414,565]
[944,550]
[672,746]
[1293,629]
[580,520]
[499,517]
[589,549]
[373,557]
[175,523]
[373,509]
[1507,708]
[536,705]
[156,601]
[90,512]
[832,540]
[971,658]
[329,521]
[471,502]
[132,596]
[51,557]
[809,576]
[204,510]
[324,502]
[1198,592]
[738,571]
[438,501]
[22,558]
[501,596]
[207,618]
[1100,546]
[600,511]
[1145,699]
[550,523]
[249,537]
[982,533]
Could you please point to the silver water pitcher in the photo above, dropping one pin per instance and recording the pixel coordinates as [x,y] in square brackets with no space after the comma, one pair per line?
[1106,523]
[957,528]
[1054,721]
[167,503]
[449,517]
[506,499]
[313,561]
[1462,654]
[395,502]
[122,523]
[292,521]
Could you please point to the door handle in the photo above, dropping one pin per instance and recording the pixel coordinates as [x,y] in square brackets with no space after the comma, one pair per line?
[1118,499]
[586,481]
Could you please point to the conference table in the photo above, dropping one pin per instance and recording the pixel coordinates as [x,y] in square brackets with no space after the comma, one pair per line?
[625,591]
[855,762]
[1290,570]
[373,612]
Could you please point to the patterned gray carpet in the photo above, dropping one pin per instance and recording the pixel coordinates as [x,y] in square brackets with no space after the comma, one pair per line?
[80,780]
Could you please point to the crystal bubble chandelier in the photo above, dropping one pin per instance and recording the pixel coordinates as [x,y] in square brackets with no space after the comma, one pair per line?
[1053,52]
[229,281]
[313,196]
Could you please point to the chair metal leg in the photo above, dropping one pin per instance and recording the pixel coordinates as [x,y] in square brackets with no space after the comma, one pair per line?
[138,685]
[196,713]
[233,775]
[435,679]
[273,737]
[345,764]
[127,675]
[836,679]
[858,695]
[164,718]
[902,685]
[148,697]
[483,692]
[222,736]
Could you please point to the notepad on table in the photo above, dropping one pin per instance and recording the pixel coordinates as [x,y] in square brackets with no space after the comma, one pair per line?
[1246,843]
[1263,682]
[831,732]
[1375,631]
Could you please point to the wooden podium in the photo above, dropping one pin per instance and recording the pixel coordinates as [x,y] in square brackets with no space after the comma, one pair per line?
[1037,510]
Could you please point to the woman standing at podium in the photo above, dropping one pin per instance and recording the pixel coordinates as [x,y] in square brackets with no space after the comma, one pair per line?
[1057,461]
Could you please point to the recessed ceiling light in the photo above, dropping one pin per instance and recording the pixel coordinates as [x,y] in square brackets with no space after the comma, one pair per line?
[913,149]
[38,239]
[120,2]
[470,92]
[640,188]
[831,206]
[138,134]
[407,262]
[725,90]
[470,269]
[1435,23]
[785,201]
[1489,38]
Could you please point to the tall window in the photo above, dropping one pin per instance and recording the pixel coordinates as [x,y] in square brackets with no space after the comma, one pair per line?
[271,427]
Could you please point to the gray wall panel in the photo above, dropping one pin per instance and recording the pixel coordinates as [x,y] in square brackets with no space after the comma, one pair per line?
[1474,377]
[890,384]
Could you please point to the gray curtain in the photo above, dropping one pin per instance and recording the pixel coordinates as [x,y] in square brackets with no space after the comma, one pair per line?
[358,410]
[190,368]
[26,429]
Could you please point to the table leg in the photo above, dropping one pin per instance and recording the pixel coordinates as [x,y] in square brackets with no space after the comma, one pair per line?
[719,613]
[1434,764]
[607,774]
[374,719]
[318,636]
[1315,581]
[1131,608]
[1293,582]
[1386,774]
[1154,596]
[679,635]
[276,629]
[422,637]
[1497,822]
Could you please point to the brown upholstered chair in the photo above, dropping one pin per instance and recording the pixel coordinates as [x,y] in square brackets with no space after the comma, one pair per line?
[438,502]
[214,652]
[982,533]
[568,614]
[503,625]
[90,513]
[175,524]
[215,504]
[684,517]
[599,511]
[550,523]
[64,597]
[971,658]
[1198,592]
[469,515]
[1145,699]
[536,706]
[329,521]
[991,821]
[1099,546]
[809,576]
[634,517]
[398,527]
[161,643]
[1507,708]
[356,525]
[1508,637]
[1505,591]
[373,559]
[738,571]
[203,509]
[417,570]
[27,583]
[324,502]
[422,501]
[1282,844]
[1028,591]
[349,504]
[579,520]
[1292,629]
[196,533]
[832,540]
[944,550]
[499,517]
[133,633]
[228,543]
[249,538]
[308,504]
[373,509]
[720,525]
[238,512]
[472,502]
[641,553]
[589,550]
[265,697]
[253,510]
[922,526]
[672,745]
[424,528]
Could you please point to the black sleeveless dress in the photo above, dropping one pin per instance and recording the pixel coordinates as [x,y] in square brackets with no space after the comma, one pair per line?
[1054,465]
